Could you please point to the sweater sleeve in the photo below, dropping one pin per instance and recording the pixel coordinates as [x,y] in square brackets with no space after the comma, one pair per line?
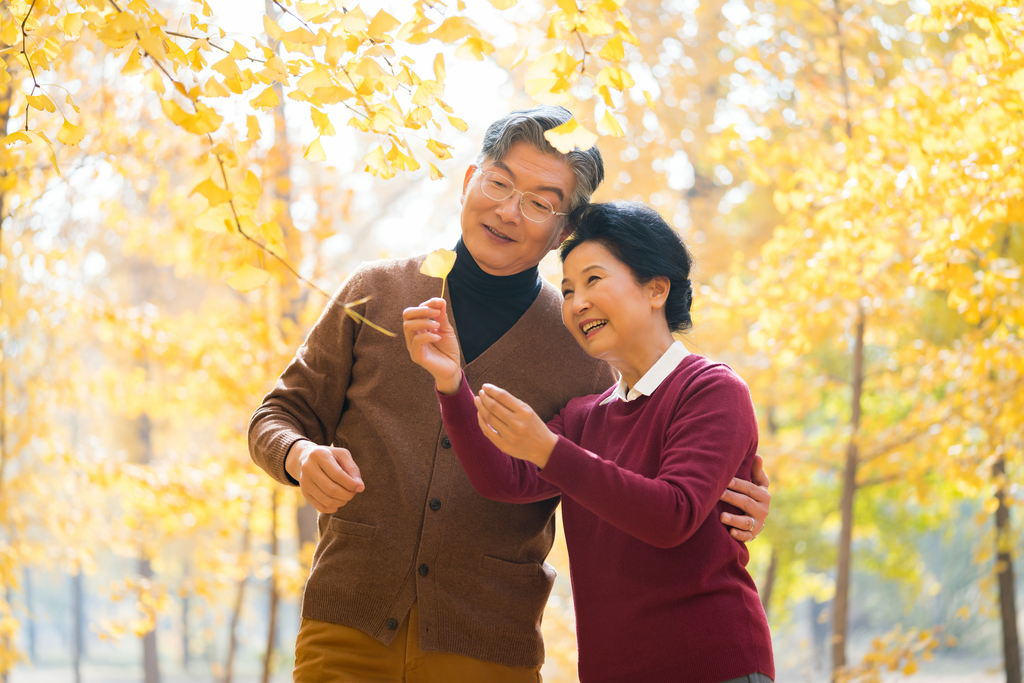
[307,401]
[493,474]
[712,431]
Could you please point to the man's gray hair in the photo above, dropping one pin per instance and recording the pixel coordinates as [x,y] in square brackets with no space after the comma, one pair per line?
[529,125]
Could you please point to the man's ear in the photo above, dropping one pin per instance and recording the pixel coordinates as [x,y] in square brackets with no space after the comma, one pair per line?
[657,289]
[465,181]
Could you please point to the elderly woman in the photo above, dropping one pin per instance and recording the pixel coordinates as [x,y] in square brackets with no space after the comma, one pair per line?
[661,590]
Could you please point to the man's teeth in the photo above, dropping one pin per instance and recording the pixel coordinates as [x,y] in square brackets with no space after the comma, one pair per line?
[593,326]
[499,234]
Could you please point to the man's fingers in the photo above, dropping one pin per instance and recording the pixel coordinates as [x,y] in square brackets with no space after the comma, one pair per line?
[344,459]
[487,417]
[317,499]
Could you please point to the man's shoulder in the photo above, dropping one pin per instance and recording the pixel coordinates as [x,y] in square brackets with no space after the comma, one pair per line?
[389,268]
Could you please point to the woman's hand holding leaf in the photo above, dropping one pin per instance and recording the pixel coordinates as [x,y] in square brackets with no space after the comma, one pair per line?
[513,426]
[432,344]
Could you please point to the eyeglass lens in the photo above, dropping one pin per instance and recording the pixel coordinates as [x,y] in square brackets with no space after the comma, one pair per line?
[500,188]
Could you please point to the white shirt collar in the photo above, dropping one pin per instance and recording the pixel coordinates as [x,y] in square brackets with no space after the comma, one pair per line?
[653,378]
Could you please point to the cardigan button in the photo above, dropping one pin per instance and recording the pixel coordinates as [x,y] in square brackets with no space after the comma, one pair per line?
[392,624]
[446,442]
[435,504]
[424,570]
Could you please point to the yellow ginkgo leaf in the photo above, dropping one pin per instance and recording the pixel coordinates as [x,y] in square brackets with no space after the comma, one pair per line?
[248,278]
[266,99]
[569,136]
[215,219]
[315,151]
[70,134]
[503,4]
[215,195]
[609,125]
[434,173]
[438,264]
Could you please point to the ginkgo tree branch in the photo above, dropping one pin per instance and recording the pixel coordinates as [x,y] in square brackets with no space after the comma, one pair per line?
[28,61]
[213,45]
[238,226]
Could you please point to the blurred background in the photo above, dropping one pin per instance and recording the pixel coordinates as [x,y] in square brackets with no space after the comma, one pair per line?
[847,172]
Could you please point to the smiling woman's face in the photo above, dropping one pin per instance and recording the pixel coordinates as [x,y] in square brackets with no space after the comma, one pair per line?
[501,240]
[608,312]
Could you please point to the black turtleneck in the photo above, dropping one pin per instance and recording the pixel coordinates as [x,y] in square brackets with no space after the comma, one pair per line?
[486,306]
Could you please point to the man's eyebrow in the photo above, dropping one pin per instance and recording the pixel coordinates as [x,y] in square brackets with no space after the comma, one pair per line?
[546,188]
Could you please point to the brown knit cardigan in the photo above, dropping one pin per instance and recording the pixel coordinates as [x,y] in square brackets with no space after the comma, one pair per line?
[419,532]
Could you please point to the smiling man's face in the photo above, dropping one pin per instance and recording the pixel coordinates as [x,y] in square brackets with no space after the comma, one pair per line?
[502,240]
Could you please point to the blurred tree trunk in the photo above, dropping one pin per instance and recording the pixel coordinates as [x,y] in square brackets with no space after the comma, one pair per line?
[30,622]
[279,191]
[77,615]
[1004,571]
[769,580]
[840,606]
[186,657]
[268,660]
[236,612]
[150,659]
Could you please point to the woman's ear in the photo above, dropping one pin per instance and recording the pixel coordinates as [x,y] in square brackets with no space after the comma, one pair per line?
[657,289]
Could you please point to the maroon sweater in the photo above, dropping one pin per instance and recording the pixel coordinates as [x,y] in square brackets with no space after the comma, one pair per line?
[660,588]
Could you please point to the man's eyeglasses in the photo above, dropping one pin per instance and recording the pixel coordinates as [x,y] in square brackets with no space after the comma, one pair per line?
[533,207]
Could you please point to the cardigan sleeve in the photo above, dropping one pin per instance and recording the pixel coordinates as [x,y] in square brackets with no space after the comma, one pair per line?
[712,432]
[493,474]
[307,401]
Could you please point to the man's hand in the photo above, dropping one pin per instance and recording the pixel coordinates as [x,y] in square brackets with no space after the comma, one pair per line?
[328,477]
[753,498]
[513,426]
[431,341]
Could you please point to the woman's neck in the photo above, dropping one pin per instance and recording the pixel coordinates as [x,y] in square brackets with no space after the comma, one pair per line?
[634,361]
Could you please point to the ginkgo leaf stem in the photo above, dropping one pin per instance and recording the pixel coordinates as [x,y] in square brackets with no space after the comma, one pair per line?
[362,318]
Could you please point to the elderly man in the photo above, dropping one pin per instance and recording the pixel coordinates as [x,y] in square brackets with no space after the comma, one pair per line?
[417,577]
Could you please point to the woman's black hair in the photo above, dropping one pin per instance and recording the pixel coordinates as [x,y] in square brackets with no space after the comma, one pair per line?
[639,237]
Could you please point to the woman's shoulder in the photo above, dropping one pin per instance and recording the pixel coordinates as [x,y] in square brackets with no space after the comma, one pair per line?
[697,373]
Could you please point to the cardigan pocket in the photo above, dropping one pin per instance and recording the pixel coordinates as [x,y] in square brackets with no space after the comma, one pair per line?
[344,526]
[500,567]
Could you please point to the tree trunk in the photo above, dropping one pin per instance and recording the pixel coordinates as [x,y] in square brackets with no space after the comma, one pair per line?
[840,606]
[77,639]
[1004,571]
[236,612]
[769,580]
[186,658]
[30,622]
[150,662]
[268,660]
[150,658]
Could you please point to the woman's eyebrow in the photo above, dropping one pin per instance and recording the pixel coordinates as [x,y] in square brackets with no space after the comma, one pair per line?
[599,267]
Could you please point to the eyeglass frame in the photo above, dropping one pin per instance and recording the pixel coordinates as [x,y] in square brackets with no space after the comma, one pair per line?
[522,197]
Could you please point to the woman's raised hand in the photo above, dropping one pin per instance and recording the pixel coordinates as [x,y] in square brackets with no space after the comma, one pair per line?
[513,426]
[431,341]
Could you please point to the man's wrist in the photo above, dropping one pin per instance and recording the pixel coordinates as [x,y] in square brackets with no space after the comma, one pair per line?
[292,465]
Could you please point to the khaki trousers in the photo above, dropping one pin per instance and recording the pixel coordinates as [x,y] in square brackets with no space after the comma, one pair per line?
[331,653]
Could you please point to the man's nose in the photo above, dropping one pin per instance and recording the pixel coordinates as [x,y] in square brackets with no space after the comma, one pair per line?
[510,209]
